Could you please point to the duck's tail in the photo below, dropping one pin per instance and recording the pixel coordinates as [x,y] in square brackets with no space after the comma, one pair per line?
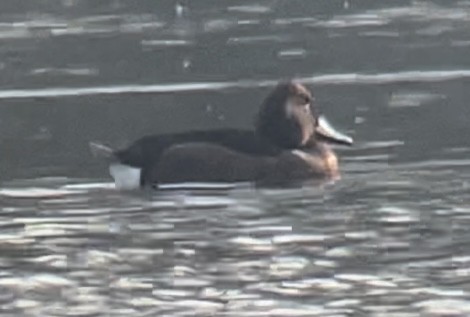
[126,177]
[101,150]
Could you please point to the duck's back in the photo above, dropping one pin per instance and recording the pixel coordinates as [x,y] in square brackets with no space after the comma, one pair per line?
[148,150]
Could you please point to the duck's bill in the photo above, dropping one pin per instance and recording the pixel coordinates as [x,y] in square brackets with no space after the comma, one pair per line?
[327,133]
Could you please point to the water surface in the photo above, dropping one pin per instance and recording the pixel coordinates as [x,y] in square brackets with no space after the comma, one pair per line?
[388,239]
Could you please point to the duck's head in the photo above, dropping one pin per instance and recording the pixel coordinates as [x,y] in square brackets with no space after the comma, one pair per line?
[288,118]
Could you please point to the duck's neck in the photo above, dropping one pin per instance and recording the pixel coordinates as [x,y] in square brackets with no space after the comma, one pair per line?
[321,153]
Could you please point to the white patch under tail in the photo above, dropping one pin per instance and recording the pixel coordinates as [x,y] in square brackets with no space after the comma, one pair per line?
[125,177]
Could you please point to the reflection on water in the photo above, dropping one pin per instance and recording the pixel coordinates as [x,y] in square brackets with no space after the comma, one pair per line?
[363,245]
[331,79]
[389,239]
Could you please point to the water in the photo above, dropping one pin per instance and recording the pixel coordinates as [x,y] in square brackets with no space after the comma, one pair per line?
[388,239]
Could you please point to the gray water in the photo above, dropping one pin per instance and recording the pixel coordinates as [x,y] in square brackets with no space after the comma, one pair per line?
[388,239]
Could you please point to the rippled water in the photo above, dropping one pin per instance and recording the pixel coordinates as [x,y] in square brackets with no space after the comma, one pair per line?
[388,239]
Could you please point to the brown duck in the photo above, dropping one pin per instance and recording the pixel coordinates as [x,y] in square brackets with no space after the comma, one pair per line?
[289,142]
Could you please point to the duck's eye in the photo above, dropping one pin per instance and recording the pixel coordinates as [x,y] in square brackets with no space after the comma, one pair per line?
[305,99]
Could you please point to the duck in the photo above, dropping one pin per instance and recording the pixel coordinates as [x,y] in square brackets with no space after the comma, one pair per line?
[290,141]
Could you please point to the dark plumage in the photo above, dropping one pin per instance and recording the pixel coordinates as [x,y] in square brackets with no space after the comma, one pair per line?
[288,142]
